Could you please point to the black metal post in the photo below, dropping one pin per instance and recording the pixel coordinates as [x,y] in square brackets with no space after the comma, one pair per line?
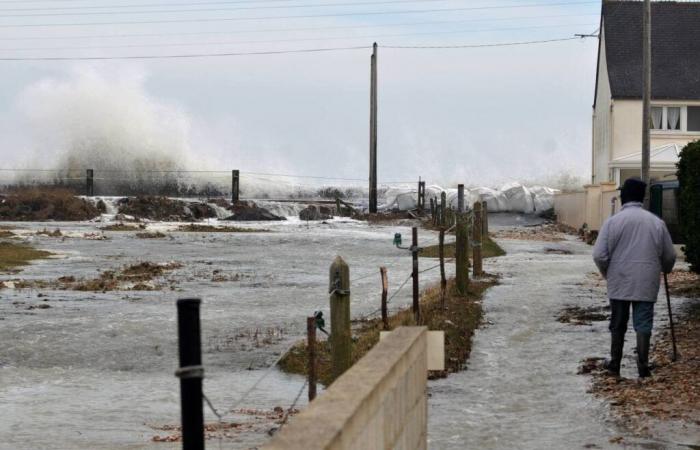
[190,373]
[235,182]
[89,183]
[414,253]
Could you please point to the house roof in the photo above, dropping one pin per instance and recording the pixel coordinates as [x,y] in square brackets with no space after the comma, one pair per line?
[675,35]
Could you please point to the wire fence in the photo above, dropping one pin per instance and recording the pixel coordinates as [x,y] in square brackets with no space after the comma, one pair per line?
[190,183]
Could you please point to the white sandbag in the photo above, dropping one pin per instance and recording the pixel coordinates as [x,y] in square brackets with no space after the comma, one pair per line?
[495,200]
[402,199]
[519,198]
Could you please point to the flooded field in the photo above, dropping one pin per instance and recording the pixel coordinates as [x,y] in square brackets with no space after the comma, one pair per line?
[94,370]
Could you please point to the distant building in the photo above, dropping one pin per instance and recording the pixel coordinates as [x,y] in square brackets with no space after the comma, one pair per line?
[675,79]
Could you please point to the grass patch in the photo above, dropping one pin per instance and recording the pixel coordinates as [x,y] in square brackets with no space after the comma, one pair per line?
[489,249]
[196,228]
[459,318]
[15,255]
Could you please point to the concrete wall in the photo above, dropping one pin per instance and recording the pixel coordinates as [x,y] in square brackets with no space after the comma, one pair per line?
[380,403]
[570,208]
[592,206]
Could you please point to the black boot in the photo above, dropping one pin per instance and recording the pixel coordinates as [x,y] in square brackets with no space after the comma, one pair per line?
[643,343]
[617,342]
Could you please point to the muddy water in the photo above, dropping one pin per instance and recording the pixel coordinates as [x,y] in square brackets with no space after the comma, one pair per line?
[95,370]
[521,389]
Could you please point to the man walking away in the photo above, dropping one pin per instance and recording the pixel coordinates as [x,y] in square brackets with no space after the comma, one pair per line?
[632,249]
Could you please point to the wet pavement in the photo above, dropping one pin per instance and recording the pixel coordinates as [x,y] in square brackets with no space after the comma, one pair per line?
[521,389]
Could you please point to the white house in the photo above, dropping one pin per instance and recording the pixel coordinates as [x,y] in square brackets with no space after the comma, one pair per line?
[617,108]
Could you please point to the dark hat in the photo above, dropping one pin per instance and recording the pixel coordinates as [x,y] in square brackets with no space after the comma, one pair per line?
[633,190]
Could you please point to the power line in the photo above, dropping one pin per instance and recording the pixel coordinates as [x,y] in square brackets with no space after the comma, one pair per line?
[158,11]
[274,52]
[306,16]
[266,30]
[502,44]
[373,36]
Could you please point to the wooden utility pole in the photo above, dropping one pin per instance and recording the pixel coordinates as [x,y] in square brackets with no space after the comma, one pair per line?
[373,132]
[460,198]
[646,98]
[90,182]
[341,336]
[311,346]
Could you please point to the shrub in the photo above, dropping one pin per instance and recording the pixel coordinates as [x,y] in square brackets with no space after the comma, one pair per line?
[689,180]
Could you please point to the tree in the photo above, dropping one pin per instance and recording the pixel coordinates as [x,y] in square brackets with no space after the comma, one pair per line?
[689,199]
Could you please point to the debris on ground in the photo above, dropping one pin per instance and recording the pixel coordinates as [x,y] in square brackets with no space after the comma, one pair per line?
[136,277]
[121,226]
[576,315]
[197,228]
[673,390]
[151,235]
[45,232]
[316,212]
[549,232]
[684,283]
[251,420]
[557,251]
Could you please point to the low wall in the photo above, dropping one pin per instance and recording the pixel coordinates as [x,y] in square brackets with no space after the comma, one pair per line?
[381,402]
[570,208]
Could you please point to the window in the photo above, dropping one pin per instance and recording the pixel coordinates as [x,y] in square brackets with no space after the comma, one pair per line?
[657,114]
[693,118]
[675,118]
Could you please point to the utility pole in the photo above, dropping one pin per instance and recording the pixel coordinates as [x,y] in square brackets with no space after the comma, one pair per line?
[373,133]
[646,98]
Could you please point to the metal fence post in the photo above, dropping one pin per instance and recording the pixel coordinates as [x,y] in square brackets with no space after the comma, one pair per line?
[190,373]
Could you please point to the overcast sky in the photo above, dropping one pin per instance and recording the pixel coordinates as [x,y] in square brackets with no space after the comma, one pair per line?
[478,116]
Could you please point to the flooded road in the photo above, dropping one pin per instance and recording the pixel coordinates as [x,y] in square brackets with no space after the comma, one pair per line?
[521,389]
[95,370]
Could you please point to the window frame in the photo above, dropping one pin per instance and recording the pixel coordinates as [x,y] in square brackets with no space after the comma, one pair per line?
[683,120]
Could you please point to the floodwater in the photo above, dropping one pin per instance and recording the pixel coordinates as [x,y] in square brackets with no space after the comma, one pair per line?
[521,389]
[95,370]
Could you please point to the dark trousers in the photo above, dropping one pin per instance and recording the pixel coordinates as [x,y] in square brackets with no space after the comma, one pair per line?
[642,316]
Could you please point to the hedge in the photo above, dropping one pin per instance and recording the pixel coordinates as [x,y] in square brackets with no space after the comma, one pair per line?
[689,180]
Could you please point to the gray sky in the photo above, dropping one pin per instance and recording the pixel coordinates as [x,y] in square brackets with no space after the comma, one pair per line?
[479,116]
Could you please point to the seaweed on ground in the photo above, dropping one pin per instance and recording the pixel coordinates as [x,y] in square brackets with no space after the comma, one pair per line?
[14,255]
[39,204]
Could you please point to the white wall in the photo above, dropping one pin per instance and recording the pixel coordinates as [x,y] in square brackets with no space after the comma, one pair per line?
[602,125]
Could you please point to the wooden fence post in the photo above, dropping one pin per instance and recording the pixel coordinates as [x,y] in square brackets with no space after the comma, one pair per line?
[462,255]
[235,186]
[190,373]
[485,218]
[443,209]
[443,280]
[476,237]
[341,336]
[416,291]
[460,198]
[311,346]
[385,291]
[432,210]
[338,209]
[89,182]
[421,195]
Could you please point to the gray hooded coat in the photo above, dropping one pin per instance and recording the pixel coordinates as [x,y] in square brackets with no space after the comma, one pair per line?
[632,249]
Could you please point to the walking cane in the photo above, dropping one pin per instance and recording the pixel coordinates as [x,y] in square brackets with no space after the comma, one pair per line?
[670,319]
